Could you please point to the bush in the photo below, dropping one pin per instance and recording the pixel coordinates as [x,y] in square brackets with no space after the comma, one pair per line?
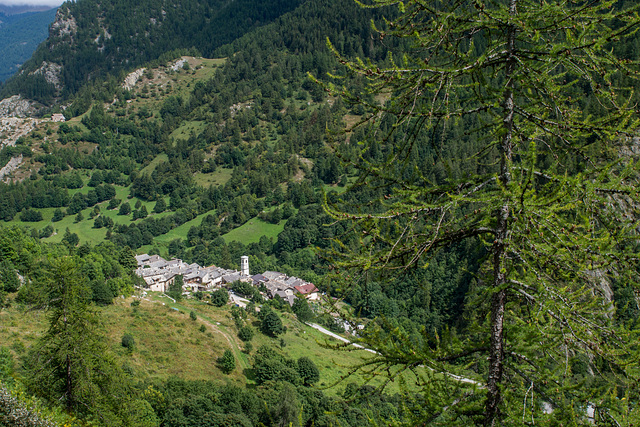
[227,362]
[219,297]
[193,315]
[128,342]
[245,333]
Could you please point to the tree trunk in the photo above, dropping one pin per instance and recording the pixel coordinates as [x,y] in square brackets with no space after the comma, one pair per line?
[499,298]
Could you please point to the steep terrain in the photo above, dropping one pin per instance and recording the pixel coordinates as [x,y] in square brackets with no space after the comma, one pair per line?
[92,39]
[209,129]
[20,33]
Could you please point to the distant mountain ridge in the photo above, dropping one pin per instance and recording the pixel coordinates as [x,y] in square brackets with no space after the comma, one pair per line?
[11,10]
[22,29]
[90,39]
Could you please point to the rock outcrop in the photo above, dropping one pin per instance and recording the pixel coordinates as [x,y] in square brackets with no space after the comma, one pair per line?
[16,106]
[131,80]
[64,24]
[51,72]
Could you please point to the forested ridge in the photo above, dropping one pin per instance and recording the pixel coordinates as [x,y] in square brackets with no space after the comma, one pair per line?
[233,143]
[94,39]
[19,36]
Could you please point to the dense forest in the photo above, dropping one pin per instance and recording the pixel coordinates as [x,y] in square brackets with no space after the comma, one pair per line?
[260,126]
[20,34]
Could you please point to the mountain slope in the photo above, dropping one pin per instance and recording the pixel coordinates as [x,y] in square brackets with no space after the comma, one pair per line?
[92,38]
[20,34]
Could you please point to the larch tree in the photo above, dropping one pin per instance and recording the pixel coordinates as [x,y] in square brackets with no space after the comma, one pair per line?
[71,364]
[543,93]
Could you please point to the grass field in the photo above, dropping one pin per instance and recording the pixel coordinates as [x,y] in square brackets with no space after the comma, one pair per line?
[219,177]
[187,129]
[252,230]
[84,228]
[168,343]
[180,232]
[148,170]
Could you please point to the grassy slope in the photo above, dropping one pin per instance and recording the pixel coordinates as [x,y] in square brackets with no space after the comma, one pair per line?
[252,230]
[169,343]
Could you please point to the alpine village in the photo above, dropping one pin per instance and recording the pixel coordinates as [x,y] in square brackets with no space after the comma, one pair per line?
[319,213]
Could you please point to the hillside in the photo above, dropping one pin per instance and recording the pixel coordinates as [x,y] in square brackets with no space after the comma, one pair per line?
[92,39]
[20,34]
[217,142]
[469,219]
[168,343]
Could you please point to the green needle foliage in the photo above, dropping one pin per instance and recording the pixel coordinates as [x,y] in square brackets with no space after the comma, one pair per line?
[71,363]
[227,362]
[526,108]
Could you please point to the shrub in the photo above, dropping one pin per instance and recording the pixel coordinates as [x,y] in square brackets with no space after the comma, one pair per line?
[227,362]
[219,297]
[245,333]
[128,342]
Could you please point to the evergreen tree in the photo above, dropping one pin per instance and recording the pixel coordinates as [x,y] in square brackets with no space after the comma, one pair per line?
[542,193]
[175,288]
[270,323]
[57,215]
[8,277]
[125,209]
[227,362]
[71,363]
[160,206]
[245,333]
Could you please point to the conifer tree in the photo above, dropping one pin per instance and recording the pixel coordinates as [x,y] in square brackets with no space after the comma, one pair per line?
[547,103]
[71,364]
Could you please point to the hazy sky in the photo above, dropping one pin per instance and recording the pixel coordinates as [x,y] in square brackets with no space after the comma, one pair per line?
[31,2]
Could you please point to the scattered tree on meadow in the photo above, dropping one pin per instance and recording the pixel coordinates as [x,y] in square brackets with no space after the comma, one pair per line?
[308,371]
[227,362]
[219,297]
[245,333]
[270,323]
[302,310]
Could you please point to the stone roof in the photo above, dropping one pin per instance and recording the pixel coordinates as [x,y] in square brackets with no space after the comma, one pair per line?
[273,275]
[141,259]
[233,277]
[287,298]
[259,278]
[294,281]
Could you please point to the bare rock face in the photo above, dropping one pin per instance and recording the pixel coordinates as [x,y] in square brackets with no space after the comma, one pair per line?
[131,80]
[51,72]
[16,106]
[64,24]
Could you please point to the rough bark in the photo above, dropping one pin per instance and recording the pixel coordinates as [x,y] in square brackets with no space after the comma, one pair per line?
[499,298]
